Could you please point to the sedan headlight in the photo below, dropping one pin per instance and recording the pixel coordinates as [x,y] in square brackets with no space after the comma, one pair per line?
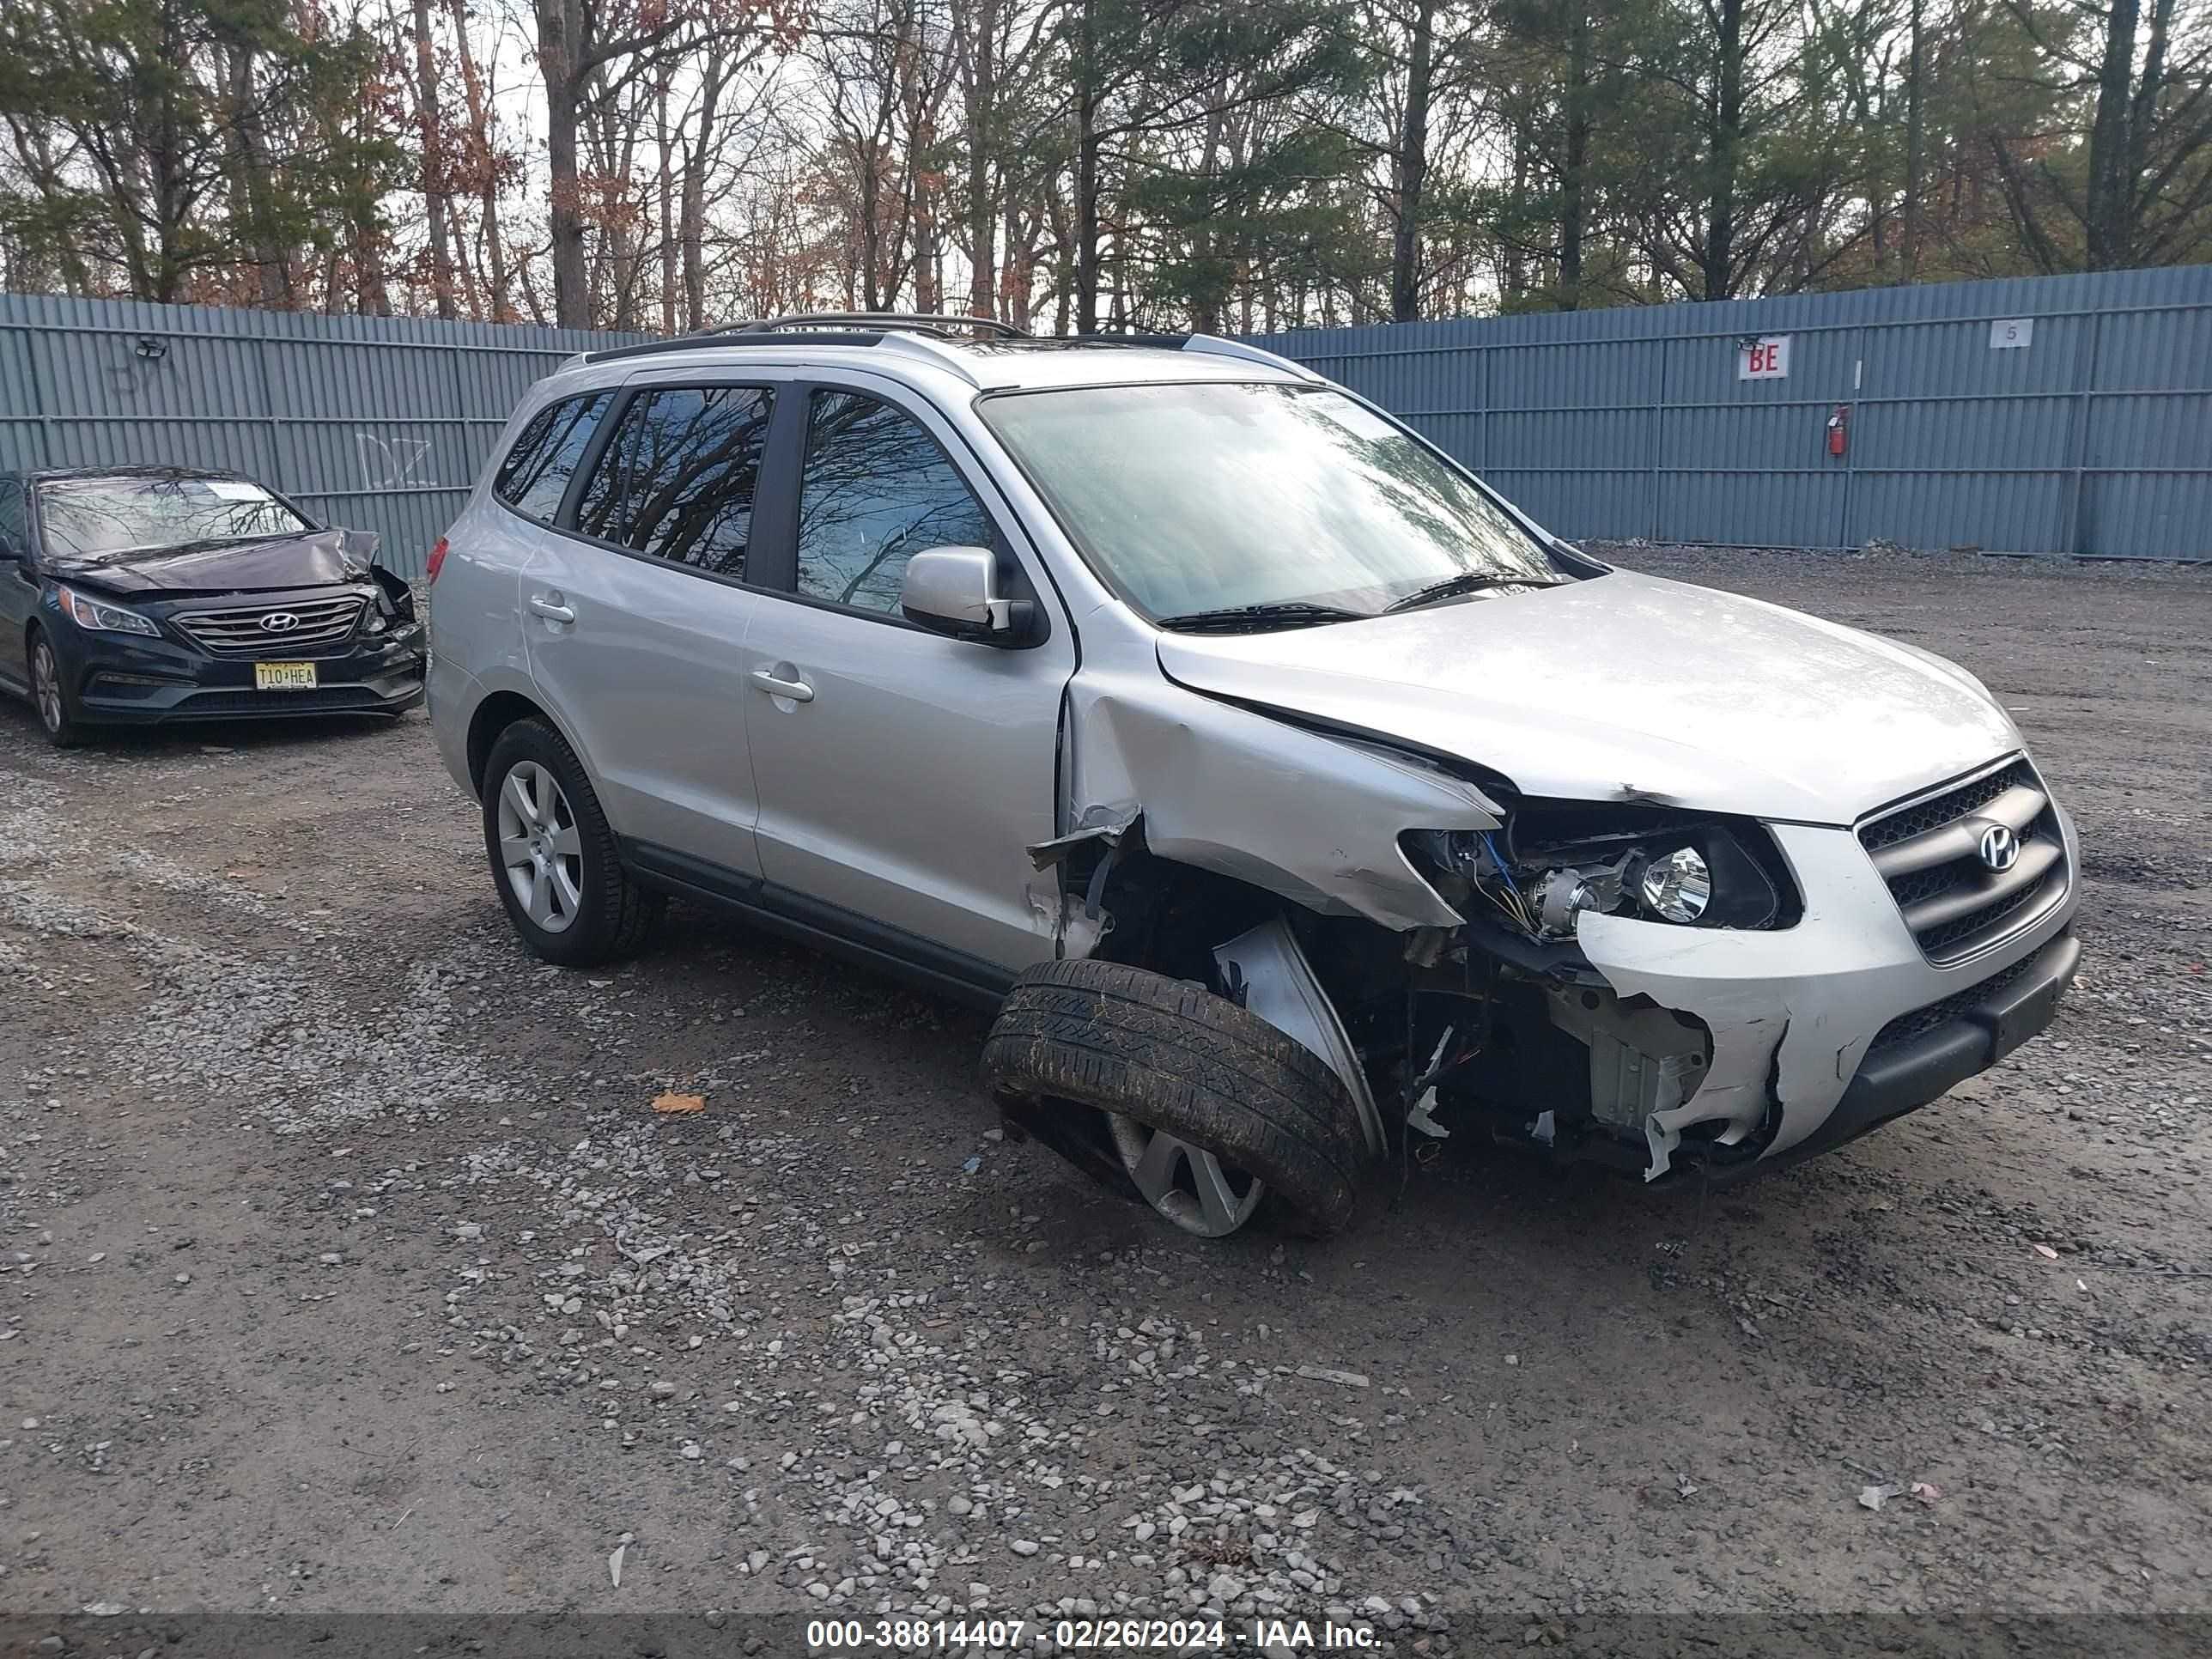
[87,612]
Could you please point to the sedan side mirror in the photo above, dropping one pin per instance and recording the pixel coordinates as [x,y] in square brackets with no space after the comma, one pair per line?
[954,591]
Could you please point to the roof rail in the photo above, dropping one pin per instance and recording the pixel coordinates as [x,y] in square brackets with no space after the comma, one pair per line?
[942,325]
[1211,345]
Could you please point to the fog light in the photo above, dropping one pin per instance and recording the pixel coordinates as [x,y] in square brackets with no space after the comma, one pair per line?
[1678,887]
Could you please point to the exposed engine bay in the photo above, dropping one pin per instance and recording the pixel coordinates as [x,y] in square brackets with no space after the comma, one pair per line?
[1500,1027]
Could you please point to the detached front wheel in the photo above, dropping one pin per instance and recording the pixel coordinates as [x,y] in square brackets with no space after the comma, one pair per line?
[1211,1113]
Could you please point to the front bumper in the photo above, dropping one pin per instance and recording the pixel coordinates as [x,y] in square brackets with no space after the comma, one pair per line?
[1903,1072]
[1800,1018]
[123,679]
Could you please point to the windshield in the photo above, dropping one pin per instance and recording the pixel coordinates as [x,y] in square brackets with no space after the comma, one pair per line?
[1190,500]
[93,518]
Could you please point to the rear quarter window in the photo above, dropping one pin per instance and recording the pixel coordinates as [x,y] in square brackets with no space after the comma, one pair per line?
[534,475]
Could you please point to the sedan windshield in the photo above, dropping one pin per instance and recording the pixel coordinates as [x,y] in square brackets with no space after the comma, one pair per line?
[1260,505]
[95,518]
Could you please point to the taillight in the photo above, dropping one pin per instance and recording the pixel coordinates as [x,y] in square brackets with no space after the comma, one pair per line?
[437,561]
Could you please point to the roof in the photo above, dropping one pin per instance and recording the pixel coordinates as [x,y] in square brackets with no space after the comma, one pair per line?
[1007,360]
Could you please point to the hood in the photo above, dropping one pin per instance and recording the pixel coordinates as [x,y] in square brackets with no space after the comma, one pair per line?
[1630,687]
[317,559]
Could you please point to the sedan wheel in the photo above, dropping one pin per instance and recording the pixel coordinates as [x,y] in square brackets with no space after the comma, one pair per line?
[539,848]
[1185,1183]
[46,694]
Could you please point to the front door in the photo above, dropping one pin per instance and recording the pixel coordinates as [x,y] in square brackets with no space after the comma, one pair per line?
[635,614]
[19,582]
[901,774]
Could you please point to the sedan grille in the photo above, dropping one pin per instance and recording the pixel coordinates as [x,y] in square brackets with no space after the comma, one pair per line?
[262,631]
[1928,851]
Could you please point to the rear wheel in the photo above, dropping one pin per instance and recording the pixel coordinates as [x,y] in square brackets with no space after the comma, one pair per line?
[1212,1111]
[50,694]
[553,854]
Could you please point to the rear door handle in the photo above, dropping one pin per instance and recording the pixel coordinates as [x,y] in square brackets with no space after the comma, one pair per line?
[552,610]
[797,690]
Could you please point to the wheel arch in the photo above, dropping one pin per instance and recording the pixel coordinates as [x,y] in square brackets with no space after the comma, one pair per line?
[498,710]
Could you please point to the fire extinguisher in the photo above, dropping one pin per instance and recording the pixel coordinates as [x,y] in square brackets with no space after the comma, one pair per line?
[1839,427]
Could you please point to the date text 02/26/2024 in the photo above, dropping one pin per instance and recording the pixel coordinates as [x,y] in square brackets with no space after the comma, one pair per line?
[1112,1635]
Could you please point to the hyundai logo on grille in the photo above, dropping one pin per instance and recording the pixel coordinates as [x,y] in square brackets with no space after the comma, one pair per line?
[279,622]
[1999,848]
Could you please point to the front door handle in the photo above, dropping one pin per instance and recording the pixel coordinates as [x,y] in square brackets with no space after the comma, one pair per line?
[552,611]
[797,690]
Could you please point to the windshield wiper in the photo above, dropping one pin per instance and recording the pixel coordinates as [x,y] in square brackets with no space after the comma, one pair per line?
[1468,582]
[1259,619]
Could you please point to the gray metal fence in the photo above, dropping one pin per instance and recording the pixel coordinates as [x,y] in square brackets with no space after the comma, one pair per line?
[2057,414]
[377,424]
[2040,415]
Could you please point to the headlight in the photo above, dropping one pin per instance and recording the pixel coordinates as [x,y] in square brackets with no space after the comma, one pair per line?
[1557,859]
[91,613]
[1678,887]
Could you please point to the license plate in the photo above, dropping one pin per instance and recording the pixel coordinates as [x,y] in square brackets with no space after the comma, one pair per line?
[284,676]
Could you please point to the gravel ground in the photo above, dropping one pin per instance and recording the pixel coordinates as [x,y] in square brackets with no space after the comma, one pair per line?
[347,1265]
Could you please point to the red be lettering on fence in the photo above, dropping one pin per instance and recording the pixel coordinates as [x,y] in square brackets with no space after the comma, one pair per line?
[1764,359]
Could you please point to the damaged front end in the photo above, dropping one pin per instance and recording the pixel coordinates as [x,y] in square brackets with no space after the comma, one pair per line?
[1590,1066]
[1632,981]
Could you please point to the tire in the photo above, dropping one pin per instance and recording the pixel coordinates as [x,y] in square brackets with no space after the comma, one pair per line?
[56,705]
[592,911]
[1172,1056]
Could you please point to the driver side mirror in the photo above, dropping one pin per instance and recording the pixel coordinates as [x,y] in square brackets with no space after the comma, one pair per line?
[954,591]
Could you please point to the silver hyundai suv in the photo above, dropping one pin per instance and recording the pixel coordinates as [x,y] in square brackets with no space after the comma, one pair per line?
[1290,797]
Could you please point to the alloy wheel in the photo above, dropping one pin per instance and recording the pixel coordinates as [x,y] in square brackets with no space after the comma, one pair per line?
[1183,1181]
[539,848]
[46,686]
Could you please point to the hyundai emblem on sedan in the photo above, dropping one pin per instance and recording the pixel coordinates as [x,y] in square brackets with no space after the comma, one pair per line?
[280,622]
[2000,849]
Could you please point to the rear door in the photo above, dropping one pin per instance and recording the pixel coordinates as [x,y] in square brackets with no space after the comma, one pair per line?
[635,610]
[900,784]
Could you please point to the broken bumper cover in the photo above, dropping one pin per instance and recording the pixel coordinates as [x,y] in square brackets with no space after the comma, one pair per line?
[1805,1020]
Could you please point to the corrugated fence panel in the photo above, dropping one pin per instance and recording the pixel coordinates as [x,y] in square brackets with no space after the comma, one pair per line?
[2032,415]
[377,424]
[2058,414]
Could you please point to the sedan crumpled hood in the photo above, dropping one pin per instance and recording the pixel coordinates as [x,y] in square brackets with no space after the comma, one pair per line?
[1627,686]
[315,560]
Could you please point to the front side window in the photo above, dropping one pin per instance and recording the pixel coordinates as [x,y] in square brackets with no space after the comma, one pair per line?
[535,475]
[1198,500]
[877,490]
[14,518]
[677,480]
[98,518]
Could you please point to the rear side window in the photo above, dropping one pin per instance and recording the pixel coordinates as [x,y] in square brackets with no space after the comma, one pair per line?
[535,474]
[14,517]
[678,480]
[877,490]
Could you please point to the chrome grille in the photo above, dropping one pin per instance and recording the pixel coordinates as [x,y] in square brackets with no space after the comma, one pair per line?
[318,624]
[1929,852]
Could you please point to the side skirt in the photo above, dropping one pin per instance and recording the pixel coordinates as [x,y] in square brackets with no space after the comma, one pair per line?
[793,916]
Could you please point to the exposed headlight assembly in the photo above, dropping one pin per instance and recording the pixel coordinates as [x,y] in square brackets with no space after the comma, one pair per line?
[87,612]
[1552,863]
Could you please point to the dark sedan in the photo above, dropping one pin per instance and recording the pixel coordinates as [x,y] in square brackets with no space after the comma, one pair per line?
[137,595]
